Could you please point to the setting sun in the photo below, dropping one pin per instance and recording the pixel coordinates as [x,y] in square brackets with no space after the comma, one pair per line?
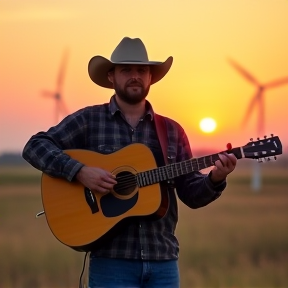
[207,125]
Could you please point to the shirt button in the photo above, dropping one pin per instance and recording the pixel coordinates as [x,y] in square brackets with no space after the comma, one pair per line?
[140,225]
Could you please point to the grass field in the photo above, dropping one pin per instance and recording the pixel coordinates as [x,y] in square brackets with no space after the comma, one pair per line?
[241,240]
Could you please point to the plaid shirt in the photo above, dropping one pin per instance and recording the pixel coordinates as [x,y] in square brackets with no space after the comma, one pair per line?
[102,128]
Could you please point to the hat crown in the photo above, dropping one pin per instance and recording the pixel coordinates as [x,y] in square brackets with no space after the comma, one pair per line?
[130,50]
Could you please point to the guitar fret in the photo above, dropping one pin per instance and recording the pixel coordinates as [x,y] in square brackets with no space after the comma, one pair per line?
[164,173]
[182,165]
[191,164]
[144,179]
[177,169]
[154,176]
[185,167]
[172,171]
[181,168]
[160,174]
[151,176]
[148,178]
[140,179]
[167,172]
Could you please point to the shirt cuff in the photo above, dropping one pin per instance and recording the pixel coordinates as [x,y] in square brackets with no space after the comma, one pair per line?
[218,187]
[72,169]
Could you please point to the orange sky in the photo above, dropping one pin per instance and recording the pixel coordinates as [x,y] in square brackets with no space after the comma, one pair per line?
[201,35]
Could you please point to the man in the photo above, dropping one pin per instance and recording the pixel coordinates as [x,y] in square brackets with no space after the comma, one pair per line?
[145,252]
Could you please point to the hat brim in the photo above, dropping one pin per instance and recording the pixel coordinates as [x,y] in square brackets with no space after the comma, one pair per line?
[99,67]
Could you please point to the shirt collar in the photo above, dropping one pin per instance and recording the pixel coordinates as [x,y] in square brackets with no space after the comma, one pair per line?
[114,108]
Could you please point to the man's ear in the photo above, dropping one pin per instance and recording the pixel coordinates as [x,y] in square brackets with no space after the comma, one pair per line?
[110,76]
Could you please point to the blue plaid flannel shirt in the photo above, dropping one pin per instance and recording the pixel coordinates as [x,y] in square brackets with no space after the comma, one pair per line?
[102,128]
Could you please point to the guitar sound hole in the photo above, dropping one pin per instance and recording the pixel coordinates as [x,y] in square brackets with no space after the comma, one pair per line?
[126,183]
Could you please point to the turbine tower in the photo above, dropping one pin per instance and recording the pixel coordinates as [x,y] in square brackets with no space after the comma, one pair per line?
[60,107]
[257,102]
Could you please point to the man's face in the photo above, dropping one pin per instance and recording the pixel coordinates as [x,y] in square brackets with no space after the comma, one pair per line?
[131,82]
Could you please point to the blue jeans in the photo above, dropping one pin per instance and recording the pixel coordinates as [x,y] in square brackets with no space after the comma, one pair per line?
[120,273]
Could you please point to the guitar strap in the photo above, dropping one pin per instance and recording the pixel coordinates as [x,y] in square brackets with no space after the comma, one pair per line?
[162,135]
[161,130]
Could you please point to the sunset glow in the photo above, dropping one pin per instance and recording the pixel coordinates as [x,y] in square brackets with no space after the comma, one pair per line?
[202,37]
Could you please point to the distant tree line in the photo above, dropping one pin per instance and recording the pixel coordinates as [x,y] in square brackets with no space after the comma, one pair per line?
[12,159]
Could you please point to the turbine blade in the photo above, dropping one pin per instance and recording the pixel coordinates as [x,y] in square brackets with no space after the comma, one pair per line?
[252,104]
[244,73]
[261,116]
[61,73]
[46,93]
[276,83]
[63,108]
[57,111]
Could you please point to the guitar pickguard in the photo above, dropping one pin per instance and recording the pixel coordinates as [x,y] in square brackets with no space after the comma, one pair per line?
[112,206]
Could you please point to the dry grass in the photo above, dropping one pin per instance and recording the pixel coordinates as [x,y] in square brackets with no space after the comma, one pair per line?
[241,240]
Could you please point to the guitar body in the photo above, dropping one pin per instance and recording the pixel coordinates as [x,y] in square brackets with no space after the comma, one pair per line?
[84,220]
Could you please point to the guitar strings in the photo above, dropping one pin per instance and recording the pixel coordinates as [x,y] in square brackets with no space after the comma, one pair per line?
[164,172]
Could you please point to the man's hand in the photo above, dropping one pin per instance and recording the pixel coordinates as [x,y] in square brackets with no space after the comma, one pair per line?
[96,179]
[223,167]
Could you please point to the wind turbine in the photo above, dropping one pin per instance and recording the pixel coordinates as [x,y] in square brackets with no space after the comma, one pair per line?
[60,107]
[257,101]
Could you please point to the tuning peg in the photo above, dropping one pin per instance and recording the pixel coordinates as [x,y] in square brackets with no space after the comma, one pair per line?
[251,139]
[275,157]
[260,160]
[267,159]
[265,136]
[229,146]
[272,135]
[258,138]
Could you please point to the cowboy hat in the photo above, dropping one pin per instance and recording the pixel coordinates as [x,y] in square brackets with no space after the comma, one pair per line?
[128,51]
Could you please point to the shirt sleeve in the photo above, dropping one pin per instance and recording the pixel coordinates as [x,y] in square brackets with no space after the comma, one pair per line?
[194,189]
[46,150]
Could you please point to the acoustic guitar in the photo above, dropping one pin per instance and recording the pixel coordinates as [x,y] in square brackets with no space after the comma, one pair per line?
[84,220]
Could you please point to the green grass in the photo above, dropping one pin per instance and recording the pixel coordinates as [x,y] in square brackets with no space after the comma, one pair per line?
[240,240]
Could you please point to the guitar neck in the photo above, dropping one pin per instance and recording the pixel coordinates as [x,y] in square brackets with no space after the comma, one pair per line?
[181,168]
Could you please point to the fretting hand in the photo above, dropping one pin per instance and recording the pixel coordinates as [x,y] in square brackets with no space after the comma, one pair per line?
[225,165]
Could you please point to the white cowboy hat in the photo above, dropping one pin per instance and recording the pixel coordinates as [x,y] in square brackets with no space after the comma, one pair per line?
[128,51]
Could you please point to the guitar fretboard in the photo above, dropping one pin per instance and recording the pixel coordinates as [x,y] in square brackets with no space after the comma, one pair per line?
[174,170]
[254,150]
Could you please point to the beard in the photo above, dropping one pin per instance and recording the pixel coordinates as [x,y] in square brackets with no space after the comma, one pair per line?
[130,95]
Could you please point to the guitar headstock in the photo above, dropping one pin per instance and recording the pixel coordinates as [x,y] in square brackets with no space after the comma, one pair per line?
[260,149]
[263,148]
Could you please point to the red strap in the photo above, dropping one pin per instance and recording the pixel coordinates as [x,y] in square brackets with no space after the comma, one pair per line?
[162,134]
